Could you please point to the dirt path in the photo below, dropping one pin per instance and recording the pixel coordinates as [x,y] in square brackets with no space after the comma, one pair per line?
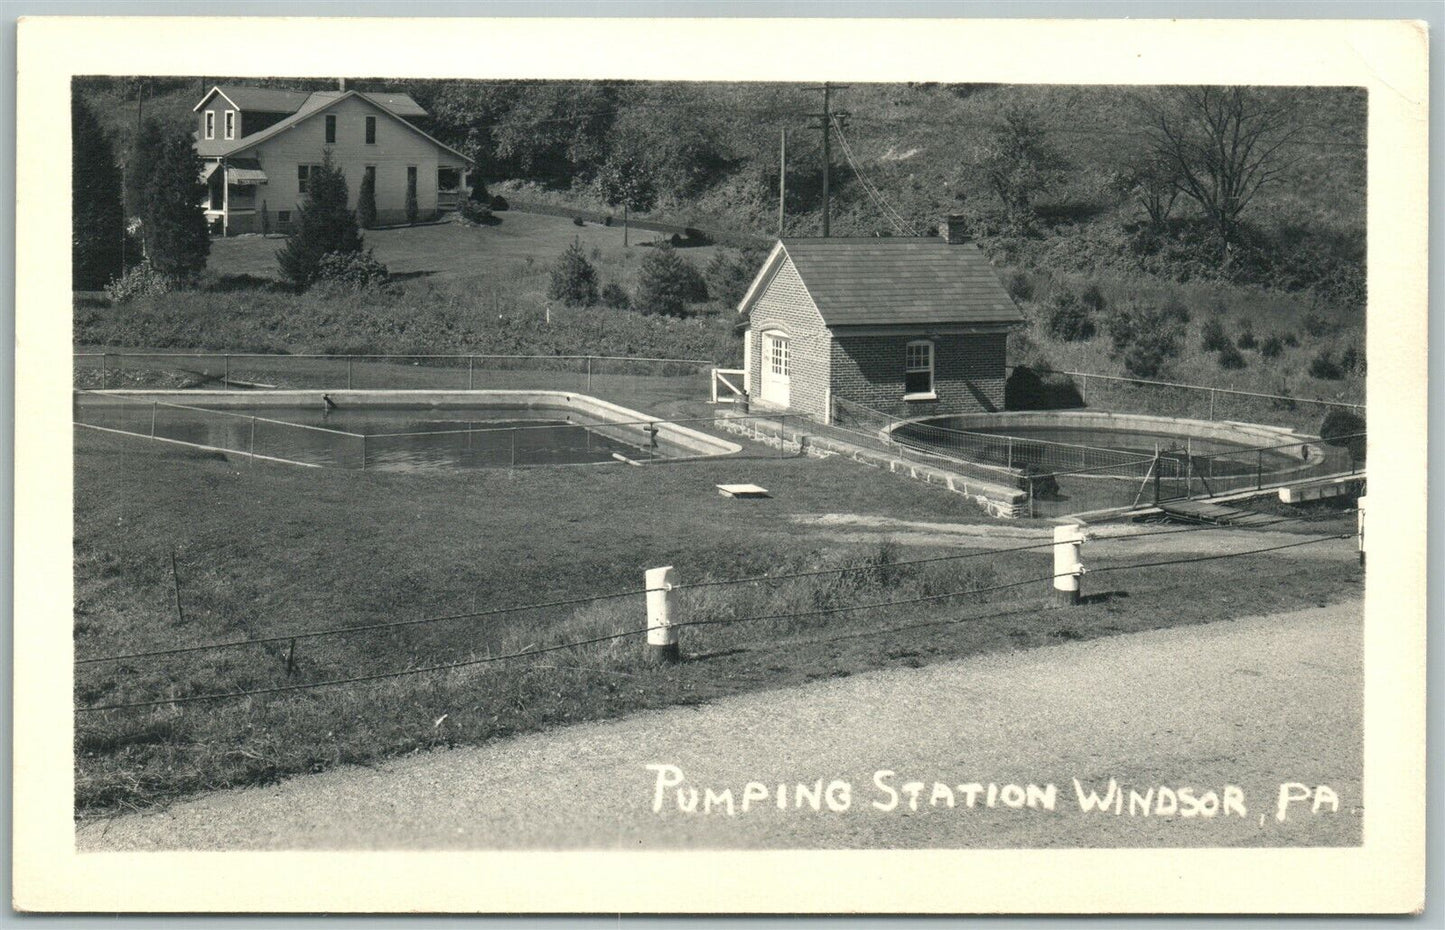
[1250,704]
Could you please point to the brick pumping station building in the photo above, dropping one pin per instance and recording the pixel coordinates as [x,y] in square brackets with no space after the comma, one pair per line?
[907,326]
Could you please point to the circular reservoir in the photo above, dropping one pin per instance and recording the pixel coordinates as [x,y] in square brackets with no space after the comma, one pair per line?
[1113,445]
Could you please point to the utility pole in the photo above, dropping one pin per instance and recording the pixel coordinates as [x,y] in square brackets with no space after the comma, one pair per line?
[782,180]
[827,117]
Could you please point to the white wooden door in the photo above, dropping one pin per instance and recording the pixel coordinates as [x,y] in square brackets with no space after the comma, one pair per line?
[776,365]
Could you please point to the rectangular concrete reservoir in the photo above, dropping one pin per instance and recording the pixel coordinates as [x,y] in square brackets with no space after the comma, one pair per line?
[399,430]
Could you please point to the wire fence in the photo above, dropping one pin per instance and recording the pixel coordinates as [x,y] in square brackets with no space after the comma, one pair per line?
[445,439]
[1193,401]
[1181,473]
[705,614]
[610,377]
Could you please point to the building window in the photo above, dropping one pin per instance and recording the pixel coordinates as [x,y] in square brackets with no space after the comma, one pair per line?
[371,130]
[330,130]
[918,370]
[210,124]
[778,357]
[283,217]
[230,124]
[304,174]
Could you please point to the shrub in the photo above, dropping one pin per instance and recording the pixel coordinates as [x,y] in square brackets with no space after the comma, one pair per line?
[1120,325]
[578,221]
[411,208]
[1151,349]
[1093,298]
[351,270]
[323,225]
[366,201]
[1344,428]
[1230,358]
[499,203]
[1318,326]
[1069,319]
[1353,360]
[1213,337]
[140,281]
[574,280]
[1324,367]
[1247,339]
[476,211]
[667,283]
[1272,347]
[1291,340]
[1175,310]
[265,219]
[614,295]
[1019,286]
[479,193]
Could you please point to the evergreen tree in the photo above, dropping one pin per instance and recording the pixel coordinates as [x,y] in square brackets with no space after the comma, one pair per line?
[411,208]
[574,280]
[667,283]
[97,217]
[323,225]
[173,218]
[366,202]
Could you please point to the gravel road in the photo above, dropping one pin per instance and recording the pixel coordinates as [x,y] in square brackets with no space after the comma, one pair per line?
[1242,705]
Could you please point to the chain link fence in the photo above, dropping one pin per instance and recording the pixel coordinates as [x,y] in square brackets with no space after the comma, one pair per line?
[623,379]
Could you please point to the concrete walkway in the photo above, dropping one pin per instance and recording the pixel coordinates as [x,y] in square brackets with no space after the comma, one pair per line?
[1233,708]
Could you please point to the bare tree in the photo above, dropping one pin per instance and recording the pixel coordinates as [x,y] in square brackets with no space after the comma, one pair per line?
[1151,181]
[1223,144]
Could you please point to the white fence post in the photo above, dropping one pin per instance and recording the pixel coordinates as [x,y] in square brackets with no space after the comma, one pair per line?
[1067,568]
[1360,528]
[662,645]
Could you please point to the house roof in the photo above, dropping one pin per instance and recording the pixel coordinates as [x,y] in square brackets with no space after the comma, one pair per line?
[262,99]
[315,103]
[400,104]
[892,281]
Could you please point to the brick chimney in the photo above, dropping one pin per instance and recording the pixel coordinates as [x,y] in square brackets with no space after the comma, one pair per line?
[341,84]
[954,229]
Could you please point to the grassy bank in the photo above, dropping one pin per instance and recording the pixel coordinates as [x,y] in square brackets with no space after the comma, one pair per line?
[264,551]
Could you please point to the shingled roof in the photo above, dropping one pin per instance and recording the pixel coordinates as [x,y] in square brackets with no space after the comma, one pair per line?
[893,281]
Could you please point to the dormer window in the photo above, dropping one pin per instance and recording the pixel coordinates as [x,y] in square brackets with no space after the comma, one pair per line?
[210,124]
[230,124]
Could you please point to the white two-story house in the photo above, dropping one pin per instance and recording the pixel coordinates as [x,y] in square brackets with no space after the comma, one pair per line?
[260,144]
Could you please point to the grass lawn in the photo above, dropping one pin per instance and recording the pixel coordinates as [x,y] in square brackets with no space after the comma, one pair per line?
[271,550]
[450,250]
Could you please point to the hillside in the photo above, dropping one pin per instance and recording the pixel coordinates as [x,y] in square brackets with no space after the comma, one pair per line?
[1295,272]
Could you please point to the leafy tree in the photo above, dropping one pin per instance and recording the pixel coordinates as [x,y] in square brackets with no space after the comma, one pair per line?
[574,280]
[626,181]
[729,274]
[97,217]
[170,201]
[667,283]
[323,225]
[1017,161]
[366,202]
[1222,145]
[556,130]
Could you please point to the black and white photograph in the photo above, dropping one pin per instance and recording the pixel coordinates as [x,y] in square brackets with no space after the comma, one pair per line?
[684,463]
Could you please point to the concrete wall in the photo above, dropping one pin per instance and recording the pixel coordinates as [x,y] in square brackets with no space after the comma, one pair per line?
[968,373]
[786,305]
